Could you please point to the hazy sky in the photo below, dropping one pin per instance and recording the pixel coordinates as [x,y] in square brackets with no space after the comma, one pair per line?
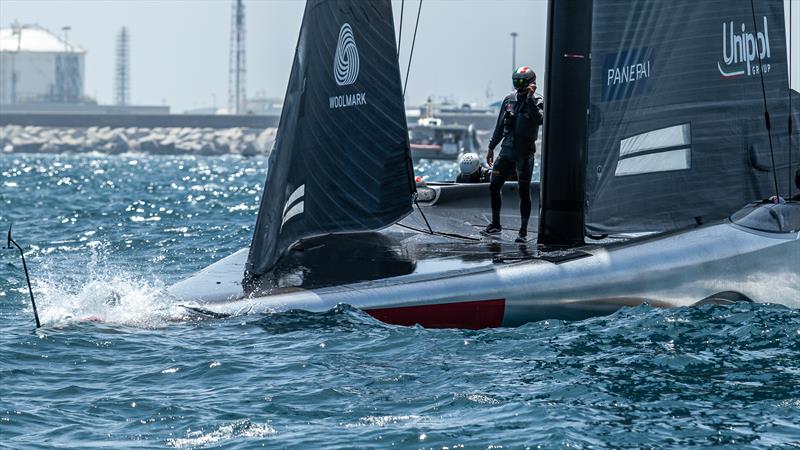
[179,49]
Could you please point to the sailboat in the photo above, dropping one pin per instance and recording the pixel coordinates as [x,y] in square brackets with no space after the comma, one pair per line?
[656,158]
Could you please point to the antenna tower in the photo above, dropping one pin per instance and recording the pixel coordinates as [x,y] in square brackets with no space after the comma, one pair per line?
[122,80]
[237,101]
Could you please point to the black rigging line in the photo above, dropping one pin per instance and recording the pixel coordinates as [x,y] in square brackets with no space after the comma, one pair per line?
[400,36]
[791,112]
[405,84]
[439,233]
[766,110]
[27,277]
[411,54]
[410,163]
[423,215]
[409,160]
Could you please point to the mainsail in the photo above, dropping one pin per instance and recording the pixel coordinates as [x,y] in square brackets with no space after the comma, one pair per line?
[341,159]
[676,121]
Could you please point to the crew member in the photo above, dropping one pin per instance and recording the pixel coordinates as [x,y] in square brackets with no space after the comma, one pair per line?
[797,183]
[776,199]
[517,128]
[471,169]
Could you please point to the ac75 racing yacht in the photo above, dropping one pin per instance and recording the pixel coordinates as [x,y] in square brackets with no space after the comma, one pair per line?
[656,160]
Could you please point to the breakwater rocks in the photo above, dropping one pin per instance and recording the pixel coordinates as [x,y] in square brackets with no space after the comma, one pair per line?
[163,141]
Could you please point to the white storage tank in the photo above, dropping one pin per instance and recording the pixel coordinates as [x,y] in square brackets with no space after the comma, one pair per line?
[37,65]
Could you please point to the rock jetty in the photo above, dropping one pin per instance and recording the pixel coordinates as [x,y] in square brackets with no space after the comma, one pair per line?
[161,141]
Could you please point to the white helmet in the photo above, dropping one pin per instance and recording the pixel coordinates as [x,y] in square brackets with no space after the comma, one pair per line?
[468,163]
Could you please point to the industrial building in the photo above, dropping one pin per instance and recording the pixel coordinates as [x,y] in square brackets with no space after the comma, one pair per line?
[38,66]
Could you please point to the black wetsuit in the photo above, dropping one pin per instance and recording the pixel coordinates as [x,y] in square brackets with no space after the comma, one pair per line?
[482,175]
[796,198]
[518,127]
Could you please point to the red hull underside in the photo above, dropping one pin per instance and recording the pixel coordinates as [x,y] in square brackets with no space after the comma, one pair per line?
[470,315]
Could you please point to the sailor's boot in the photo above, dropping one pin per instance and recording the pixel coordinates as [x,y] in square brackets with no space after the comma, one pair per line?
[522,237]
[492,228]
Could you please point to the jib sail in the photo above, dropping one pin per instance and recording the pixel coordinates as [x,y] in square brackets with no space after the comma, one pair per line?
[341,160]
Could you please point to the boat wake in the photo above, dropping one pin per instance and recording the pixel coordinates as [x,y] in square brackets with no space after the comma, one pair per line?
[121,296]
[340,317]
[114,297]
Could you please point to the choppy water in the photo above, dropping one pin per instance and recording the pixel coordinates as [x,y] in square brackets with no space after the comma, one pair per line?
[105,235]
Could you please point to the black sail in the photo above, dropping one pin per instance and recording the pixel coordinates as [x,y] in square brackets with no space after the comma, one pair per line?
[341,159]
[677,131]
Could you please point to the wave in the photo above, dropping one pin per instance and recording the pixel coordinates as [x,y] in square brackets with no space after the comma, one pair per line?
[110,298]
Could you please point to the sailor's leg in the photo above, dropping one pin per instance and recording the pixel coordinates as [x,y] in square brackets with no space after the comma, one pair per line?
[524,174]
[496,187]
[524,203]
[498,178]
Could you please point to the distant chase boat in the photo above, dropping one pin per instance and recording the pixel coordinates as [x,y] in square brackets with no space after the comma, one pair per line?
[430,139]
[651,185]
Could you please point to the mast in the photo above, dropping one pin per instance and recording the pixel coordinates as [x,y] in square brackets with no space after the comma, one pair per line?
[567,76]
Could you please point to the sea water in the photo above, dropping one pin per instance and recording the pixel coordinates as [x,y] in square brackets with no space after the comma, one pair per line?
[117,364]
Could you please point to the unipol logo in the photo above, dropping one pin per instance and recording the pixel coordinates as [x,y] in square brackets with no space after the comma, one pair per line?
[742,50]
[294,205]
[345,64]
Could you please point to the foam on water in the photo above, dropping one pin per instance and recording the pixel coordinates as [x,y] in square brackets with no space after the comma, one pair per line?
[84,283]
[112,298]
[241,430]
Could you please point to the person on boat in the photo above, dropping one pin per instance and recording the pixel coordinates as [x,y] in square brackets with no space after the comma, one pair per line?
[797,183]
[516,131]
[796,197]
[471,170]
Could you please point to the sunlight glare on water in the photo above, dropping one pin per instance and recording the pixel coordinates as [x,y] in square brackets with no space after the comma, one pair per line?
[119,364]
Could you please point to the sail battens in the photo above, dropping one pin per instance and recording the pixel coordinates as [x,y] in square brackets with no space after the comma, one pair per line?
[297,194]
[680,159]
[675,136]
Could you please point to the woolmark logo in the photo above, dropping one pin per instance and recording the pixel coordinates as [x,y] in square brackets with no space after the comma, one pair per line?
[345,64]
[345,70]
[294,205]
[742,50]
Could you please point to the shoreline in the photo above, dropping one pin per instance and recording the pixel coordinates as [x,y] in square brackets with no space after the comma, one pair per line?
[154,141]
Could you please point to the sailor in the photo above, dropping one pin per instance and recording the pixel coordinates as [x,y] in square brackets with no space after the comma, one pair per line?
[517,128]
[471,169]
[777,199]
